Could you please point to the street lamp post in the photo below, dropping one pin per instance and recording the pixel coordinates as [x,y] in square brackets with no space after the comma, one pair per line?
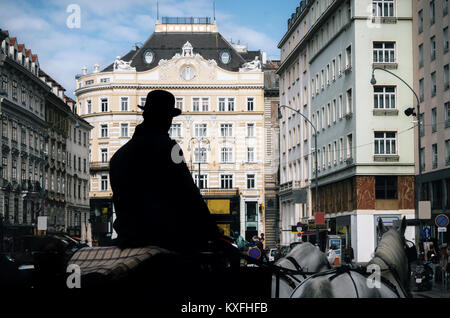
[409,112]
[199,141]
[280,115]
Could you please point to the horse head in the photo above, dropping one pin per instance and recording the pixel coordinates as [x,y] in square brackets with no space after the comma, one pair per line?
[395,251]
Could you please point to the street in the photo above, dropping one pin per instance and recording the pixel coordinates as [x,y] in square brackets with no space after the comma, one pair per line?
[439,290]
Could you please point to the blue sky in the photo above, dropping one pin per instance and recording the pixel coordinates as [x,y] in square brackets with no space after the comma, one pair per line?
[110,28]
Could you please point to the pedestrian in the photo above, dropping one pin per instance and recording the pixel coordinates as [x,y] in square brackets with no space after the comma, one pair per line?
[443,261]
[277,255]
[349,255]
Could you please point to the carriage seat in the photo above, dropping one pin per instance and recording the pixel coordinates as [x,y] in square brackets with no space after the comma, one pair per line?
[113,263]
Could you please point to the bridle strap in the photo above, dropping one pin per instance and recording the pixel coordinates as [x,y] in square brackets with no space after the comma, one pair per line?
[296,265]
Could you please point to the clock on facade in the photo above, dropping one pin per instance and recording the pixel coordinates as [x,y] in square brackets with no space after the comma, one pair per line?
[187,73]
[225,57]
[149,56]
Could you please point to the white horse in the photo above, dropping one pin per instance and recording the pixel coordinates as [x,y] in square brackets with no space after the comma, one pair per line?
[303,257]
[390,259]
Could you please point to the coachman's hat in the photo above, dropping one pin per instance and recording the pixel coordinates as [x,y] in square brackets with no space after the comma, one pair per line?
[160,103]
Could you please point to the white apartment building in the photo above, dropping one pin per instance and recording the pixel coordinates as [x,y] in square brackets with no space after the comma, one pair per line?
[365,163]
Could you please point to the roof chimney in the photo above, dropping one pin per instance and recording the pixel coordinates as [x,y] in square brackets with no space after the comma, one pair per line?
[96,68]
[84,70]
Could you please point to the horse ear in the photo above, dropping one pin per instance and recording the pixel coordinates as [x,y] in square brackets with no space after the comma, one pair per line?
[403,227]
[381,227]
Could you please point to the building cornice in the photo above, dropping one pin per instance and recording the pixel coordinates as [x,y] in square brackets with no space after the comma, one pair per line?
[83,90]
[11,108]
[304,41]
[27,73]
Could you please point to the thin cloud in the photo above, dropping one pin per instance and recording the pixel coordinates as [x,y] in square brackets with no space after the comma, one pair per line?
[108,29]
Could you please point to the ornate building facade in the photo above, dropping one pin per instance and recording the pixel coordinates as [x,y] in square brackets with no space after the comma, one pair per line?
[220,89]
[36,118]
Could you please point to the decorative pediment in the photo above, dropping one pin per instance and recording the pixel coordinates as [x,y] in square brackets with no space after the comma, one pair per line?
[187,59]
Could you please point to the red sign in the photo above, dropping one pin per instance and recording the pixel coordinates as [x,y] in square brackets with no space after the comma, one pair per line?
[441,220]
[320,218]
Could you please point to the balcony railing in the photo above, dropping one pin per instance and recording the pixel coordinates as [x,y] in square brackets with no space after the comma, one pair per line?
[219,191]
[99,165]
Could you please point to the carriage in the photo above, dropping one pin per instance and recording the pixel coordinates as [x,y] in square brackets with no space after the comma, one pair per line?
[304,272]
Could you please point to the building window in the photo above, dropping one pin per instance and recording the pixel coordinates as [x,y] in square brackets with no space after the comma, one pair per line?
[5,83]
[447,148]
[226,130]
[433,48]
[251,181]
[251,130]
[433,120]
[175,131]
[103,154]
[200,130]
[446,77]
[420,21]
[348,57]
[432,12]
[383,8]
[195,104]
[447,114]
[142,101]
[445,39]
[385,143]
[384,97]
[420,55]
[104,183]
[14,90]
[349,101]
[205,104]
[14,169]
[444,7]
[422,126]
[250,104]
[384,52]
[24,96]
[88,106]
[14,132]
[386,187]
[435,155]
[124,130]
[349,146]
[421,90]
[4,128]
[250,154]
[226,181]
[5,167]
[203,181]
[226,155]
[103,131]
[124,104]
[422,159]
[200,155]
[226,104]
[104,104]
[433,84]
[179,103]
